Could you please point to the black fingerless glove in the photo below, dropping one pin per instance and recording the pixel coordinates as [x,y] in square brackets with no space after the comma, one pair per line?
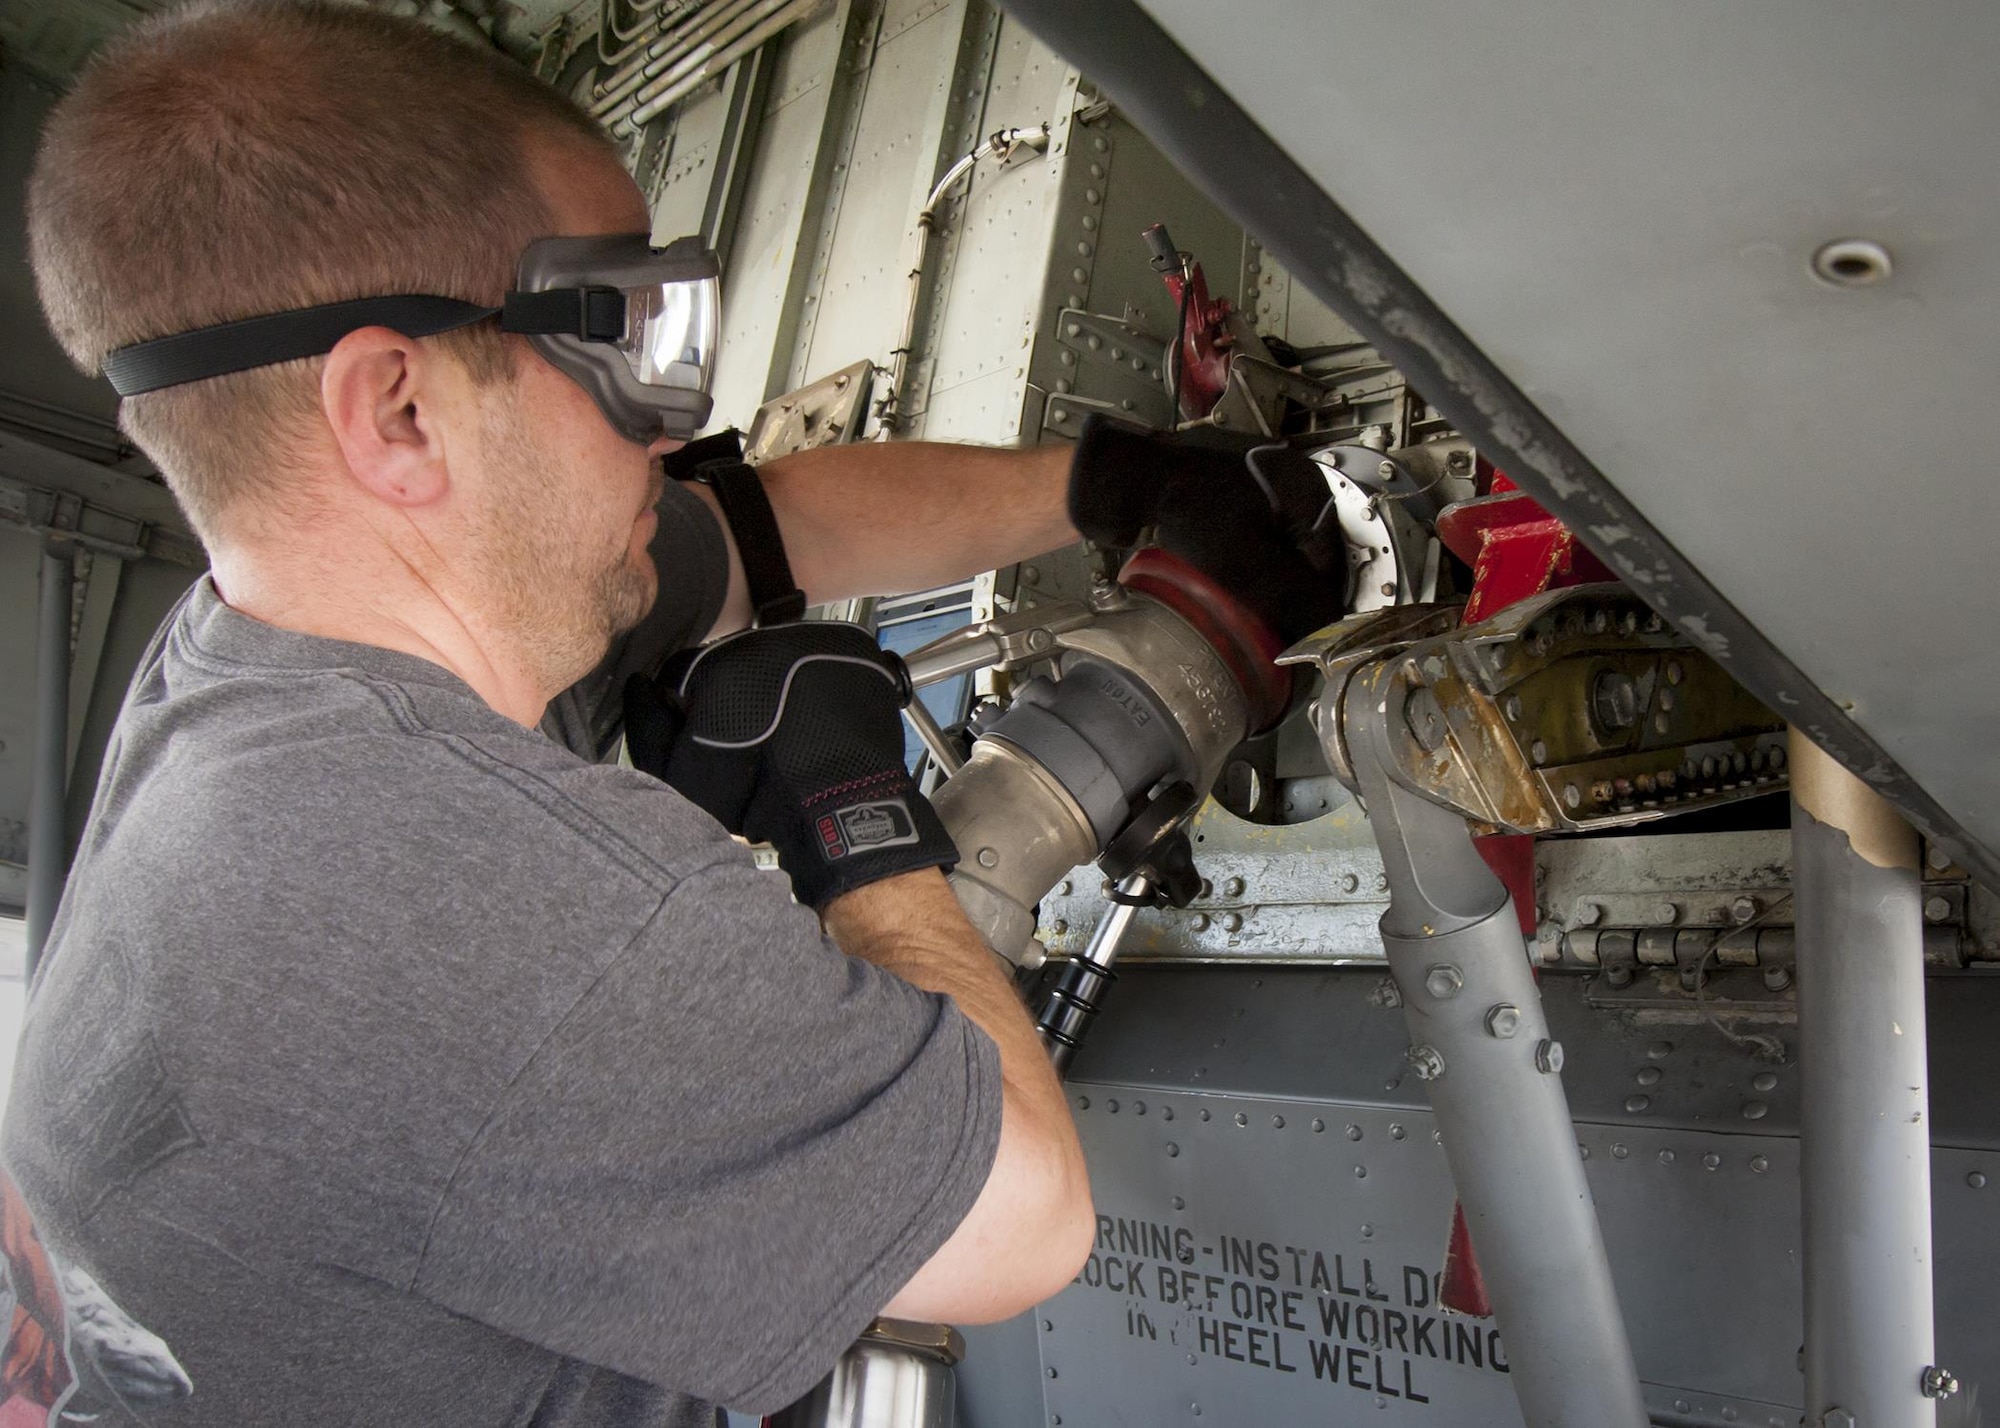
[1254,516]
[791,736]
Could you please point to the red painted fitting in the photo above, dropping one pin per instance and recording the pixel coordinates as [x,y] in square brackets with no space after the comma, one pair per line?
[1246,644]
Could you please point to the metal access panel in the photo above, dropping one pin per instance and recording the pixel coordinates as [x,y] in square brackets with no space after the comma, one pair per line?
[1274,1205]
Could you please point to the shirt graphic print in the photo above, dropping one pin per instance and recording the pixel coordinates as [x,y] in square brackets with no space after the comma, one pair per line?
[60,1321]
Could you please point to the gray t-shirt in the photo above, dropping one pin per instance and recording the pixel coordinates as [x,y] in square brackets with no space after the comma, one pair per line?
[391,1063]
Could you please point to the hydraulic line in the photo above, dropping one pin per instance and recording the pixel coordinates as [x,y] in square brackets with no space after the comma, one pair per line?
[709,52]
[1005,141]
[670,47]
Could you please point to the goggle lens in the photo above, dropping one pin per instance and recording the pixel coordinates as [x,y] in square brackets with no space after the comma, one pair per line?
[670,332]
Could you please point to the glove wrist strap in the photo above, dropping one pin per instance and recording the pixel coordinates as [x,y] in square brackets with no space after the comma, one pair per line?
[717,463]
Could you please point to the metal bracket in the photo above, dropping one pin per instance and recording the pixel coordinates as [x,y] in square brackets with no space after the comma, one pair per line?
[823,413]
[1572,711]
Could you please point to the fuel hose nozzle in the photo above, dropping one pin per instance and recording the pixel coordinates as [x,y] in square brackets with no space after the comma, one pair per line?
[1166,676]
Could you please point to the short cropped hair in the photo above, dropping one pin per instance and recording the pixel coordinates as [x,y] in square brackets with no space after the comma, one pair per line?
[237,157]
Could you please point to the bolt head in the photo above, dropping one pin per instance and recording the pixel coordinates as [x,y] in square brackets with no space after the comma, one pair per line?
[1939,1382]
[1232,922]
[1503,1020]
[1426,1063]
[1444,980]
[1777,978]
[1744,909]
[1549,1057]
[988,858]
[1937,909]
[1232,887]
[1386,470]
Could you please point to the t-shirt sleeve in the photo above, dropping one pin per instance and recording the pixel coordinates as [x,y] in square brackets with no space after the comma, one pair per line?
[726,1158]
[692,558]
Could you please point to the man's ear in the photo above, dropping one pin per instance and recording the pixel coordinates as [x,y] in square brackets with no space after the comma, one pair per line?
[381,394]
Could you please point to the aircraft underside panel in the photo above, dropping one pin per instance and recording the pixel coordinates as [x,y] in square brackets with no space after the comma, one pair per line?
[1274,1212]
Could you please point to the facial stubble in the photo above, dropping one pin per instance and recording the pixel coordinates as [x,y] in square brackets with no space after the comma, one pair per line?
[564,583]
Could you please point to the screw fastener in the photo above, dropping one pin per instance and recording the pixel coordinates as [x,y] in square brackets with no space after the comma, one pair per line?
[1939,1382]
[1549,1057]
[1426,1063]
[1503,1020]
[1444,980]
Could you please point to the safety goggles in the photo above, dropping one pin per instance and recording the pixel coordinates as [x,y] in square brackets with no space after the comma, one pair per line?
[633,325]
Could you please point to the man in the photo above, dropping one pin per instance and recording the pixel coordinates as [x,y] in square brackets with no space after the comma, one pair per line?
[394,1059]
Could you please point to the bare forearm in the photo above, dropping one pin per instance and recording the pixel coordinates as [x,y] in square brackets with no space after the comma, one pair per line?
[912,925]
[879,518]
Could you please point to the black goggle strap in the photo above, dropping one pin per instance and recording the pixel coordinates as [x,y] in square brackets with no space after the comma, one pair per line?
[592,314]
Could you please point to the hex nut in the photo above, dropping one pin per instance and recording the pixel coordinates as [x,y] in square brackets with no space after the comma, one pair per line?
[1503,1020]
[1744,909]
[1549,1057]
[1939,1382]
[1444,980]
[1936,909]
[1426,1063]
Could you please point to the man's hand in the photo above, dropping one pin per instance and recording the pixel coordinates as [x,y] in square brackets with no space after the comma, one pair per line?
[791,736]
[1257,517]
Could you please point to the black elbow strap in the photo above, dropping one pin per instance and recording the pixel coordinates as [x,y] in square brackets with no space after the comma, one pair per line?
[717,463]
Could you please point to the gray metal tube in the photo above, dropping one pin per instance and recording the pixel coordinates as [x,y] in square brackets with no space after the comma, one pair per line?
[48,839]
[1864,1131]
[1480,1041]
[925,723]
[897,1375]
